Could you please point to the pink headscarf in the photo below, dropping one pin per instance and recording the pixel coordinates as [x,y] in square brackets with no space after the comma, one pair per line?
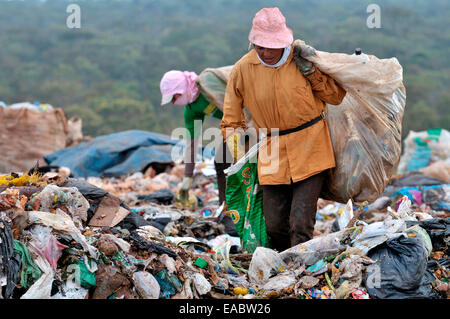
[178,82]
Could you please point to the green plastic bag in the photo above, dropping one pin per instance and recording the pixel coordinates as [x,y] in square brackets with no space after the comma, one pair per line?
[30,272]
[87,278]
[244,202]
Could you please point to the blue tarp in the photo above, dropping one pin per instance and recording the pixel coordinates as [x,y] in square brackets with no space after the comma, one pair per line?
[115,154]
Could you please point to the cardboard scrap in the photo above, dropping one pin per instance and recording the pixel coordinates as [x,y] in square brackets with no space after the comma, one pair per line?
[108,213]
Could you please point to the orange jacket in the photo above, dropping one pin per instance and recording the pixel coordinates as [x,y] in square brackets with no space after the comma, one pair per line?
[283,98]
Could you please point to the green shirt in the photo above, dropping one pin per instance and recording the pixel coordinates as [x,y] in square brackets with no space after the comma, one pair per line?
[197,111]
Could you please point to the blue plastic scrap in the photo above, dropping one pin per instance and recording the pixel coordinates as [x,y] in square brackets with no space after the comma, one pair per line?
[115,154]
[318,268]
[169,284]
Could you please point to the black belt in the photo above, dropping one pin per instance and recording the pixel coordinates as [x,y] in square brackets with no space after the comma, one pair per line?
[299,128]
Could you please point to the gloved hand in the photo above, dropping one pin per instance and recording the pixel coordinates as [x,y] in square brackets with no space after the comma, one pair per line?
[301,51]
[184,190]
[235,146]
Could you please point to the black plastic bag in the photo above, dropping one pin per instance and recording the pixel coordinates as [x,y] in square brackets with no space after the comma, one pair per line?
[163,196]
[147,245]
[92,193]
[438,229]
[11,261]
[88,190]
[401,264]
[95,194]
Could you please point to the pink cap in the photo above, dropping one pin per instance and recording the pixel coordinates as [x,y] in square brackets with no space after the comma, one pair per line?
[269,29]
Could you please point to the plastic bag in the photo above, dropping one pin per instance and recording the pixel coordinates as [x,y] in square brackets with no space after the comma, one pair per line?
[264,263]
[53,196]
[201,284]
[47,245]
[315,249]
[279,282]
[62,222]
[400,267]
[438,170]
[42,288]
[377,233]
[213,82]
[10,259]
[344,218]
[365,128]
[29,272]
[244,202]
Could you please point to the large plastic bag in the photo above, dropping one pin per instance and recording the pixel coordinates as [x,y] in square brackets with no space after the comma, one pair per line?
[366,127]
[438,170]
[400,267]
[212,83]
[26,136]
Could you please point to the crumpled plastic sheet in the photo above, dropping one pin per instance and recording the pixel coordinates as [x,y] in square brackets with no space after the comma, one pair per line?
[47,245]
[62,222]
[264,263]
[377,233]
[42,288]
[201,284]
[317,248]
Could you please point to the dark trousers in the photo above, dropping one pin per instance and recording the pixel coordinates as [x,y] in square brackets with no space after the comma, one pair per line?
[290,211]
[222,160]
[221,179]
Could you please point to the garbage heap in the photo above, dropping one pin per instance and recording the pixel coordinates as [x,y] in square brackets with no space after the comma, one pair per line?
[128,238]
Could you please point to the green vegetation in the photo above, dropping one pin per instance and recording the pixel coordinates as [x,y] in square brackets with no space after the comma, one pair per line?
[108,71]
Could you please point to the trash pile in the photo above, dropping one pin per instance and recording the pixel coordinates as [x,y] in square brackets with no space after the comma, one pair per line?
[62,237]
[127,238]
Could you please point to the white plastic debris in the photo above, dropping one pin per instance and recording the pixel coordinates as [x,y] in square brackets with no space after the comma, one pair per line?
[263,263]
[42,288]
[62,222]
[346,216]
[146,285]
[279,282]
[201,284]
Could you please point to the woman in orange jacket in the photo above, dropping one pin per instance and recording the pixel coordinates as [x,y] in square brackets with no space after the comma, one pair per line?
[285,95]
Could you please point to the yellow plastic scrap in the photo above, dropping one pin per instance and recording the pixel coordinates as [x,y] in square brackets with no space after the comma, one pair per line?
[24,180]
[240,291]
